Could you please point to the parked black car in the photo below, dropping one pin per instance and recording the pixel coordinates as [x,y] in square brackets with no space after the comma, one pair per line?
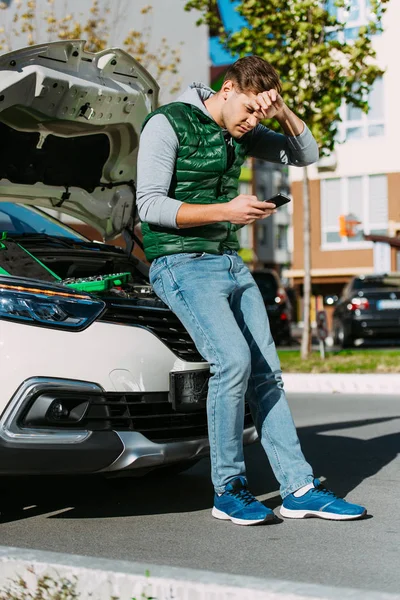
[368,309]
[277,304]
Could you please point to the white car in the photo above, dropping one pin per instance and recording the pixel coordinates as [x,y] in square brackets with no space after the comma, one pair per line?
[96,373]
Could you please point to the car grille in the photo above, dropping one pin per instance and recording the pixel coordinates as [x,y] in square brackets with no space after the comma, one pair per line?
[156,420]
[148,413]
[160,321]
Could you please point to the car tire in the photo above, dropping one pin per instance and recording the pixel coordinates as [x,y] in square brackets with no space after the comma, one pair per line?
[335,335]
[342,338]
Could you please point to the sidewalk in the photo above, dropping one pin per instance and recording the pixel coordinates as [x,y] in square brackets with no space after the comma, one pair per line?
[332,383]
[104,579]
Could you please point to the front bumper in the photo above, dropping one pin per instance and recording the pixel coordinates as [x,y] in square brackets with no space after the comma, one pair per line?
[139,452]
[64,450]
[94,454]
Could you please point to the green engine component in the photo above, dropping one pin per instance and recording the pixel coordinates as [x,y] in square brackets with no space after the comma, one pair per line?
[100,283]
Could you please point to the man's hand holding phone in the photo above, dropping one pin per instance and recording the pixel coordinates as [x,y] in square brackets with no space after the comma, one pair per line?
[245,209]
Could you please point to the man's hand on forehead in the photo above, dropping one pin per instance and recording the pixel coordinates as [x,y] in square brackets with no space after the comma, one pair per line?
[267,104]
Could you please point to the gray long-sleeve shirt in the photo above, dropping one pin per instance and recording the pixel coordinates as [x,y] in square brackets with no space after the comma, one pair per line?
[159,146]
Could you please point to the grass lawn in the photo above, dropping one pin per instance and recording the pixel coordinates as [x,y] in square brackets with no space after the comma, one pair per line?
[345,361]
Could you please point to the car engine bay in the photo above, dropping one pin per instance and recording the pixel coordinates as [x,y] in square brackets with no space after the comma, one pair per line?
[83,269]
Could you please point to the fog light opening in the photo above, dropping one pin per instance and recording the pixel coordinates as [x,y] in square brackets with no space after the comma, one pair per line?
[66,411]
[57,409]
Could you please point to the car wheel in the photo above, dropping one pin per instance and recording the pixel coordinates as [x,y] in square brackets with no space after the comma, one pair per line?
[344,339]
[335,334]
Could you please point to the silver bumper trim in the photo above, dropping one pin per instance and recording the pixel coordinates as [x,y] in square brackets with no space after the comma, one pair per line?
[140,452]
[9,428]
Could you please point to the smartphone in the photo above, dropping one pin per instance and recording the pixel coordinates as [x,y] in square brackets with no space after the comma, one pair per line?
[279,200]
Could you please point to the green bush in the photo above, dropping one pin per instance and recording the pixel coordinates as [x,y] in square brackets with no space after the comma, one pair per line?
[48,588]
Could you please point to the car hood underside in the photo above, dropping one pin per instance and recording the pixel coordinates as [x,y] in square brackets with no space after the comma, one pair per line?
[70,122]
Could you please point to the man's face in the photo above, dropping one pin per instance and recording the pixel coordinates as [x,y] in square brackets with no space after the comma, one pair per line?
[240,112]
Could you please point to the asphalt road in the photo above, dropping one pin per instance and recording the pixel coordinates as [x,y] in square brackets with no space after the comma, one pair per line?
[352,441]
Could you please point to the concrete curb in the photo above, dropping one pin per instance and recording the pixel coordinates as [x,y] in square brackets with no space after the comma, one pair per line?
[326,383]
[101,579]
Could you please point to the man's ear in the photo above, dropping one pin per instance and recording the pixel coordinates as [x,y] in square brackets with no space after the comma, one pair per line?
[226,88]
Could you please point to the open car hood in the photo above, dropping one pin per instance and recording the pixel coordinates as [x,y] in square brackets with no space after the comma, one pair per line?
[70,122]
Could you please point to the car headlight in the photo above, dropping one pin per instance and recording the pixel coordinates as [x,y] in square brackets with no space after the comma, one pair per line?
[47,306]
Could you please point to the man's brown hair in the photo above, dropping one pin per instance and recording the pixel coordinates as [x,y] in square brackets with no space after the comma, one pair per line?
[253,74]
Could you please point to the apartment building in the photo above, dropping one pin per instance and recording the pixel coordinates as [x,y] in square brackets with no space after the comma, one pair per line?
[359,182]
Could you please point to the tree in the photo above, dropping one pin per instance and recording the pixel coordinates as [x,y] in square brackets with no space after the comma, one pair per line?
[33,22]
[319,68]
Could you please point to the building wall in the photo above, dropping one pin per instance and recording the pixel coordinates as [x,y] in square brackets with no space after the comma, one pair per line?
[338,262]
[394,198]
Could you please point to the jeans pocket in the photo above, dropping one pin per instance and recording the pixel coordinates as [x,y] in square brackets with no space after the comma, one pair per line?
[158,287]
[156,269]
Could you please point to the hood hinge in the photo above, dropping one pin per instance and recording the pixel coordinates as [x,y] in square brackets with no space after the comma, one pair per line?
[128,233]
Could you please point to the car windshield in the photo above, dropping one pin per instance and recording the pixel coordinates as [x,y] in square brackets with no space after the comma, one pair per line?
[266,283]
[16,219]
[392,283]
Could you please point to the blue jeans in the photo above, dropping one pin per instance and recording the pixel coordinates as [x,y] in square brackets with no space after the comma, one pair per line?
[219,303]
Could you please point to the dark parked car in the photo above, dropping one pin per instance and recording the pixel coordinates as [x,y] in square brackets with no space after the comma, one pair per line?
[368,309]
[277,304]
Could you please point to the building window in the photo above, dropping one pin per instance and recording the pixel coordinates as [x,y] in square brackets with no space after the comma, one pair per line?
[354,15]
[363,197]
[261,233]
[356,124]
[281,237]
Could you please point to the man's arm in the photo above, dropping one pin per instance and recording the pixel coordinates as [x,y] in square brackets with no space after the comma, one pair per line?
[290,123]
[297,147]
[298,150]
[155,166]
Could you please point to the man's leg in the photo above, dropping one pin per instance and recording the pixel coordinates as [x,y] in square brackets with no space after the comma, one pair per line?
[266,395]
[302,495]
[197,291]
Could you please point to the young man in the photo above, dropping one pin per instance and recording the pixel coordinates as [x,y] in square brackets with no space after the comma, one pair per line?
[189,164]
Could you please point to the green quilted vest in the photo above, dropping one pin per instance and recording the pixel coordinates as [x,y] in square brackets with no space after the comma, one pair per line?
[201,176]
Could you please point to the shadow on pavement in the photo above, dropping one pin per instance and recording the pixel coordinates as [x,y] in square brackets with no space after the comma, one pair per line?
[344,461]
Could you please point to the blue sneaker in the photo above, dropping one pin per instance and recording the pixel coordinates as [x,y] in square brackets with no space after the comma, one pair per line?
[320,502]
[239,505]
